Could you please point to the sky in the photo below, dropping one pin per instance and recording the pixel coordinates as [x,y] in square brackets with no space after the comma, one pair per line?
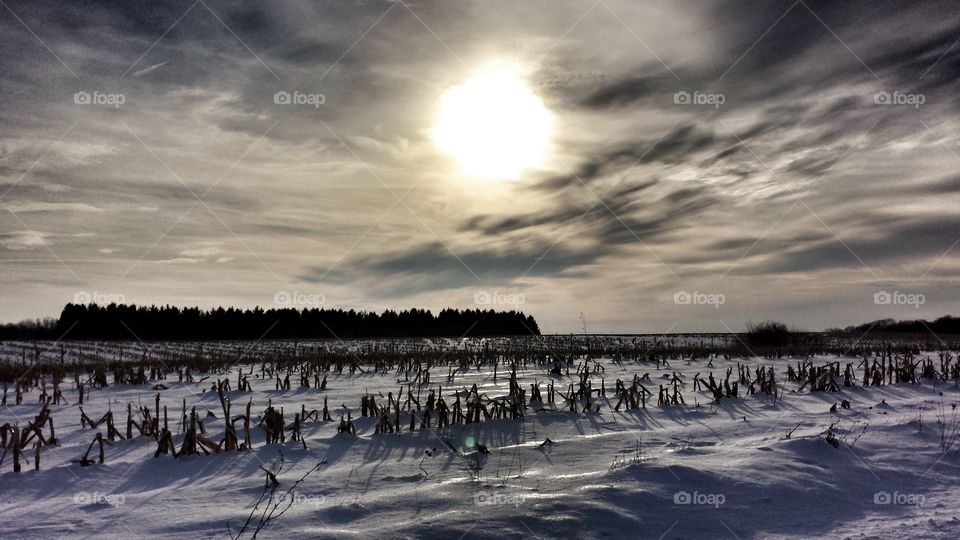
[708,163]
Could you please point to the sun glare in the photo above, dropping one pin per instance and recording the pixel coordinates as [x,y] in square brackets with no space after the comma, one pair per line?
[493,124]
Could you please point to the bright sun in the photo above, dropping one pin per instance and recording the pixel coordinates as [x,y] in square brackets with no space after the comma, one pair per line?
[494,124]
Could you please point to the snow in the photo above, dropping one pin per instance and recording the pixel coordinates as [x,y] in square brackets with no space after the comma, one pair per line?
[708,470]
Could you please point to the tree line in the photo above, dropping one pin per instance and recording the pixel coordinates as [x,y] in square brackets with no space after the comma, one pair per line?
[150,323]
[943,325]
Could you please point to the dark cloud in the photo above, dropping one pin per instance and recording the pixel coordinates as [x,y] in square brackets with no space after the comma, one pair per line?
[435,267]
[680,143]
[901,240]
[632,215]
[619,198]
[629,91]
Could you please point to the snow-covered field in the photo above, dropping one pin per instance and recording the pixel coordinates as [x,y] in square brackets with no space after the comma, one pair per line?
[757,466]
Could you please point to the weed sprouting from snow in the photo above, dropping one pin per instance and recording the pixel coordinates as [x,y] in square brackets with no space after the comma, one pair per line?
[835,434]
[475,467]
[274,506]
[948,424]
[360,487]
[627,459]
[426,454]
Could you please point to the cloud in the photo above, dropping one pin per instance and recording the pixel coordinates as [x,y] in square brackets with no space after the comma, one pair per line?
[680,143]
[179,260]
[23,240]
[37,206]
[201,252]
[433,267]
[148,69]
[910,239]
[630,91]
